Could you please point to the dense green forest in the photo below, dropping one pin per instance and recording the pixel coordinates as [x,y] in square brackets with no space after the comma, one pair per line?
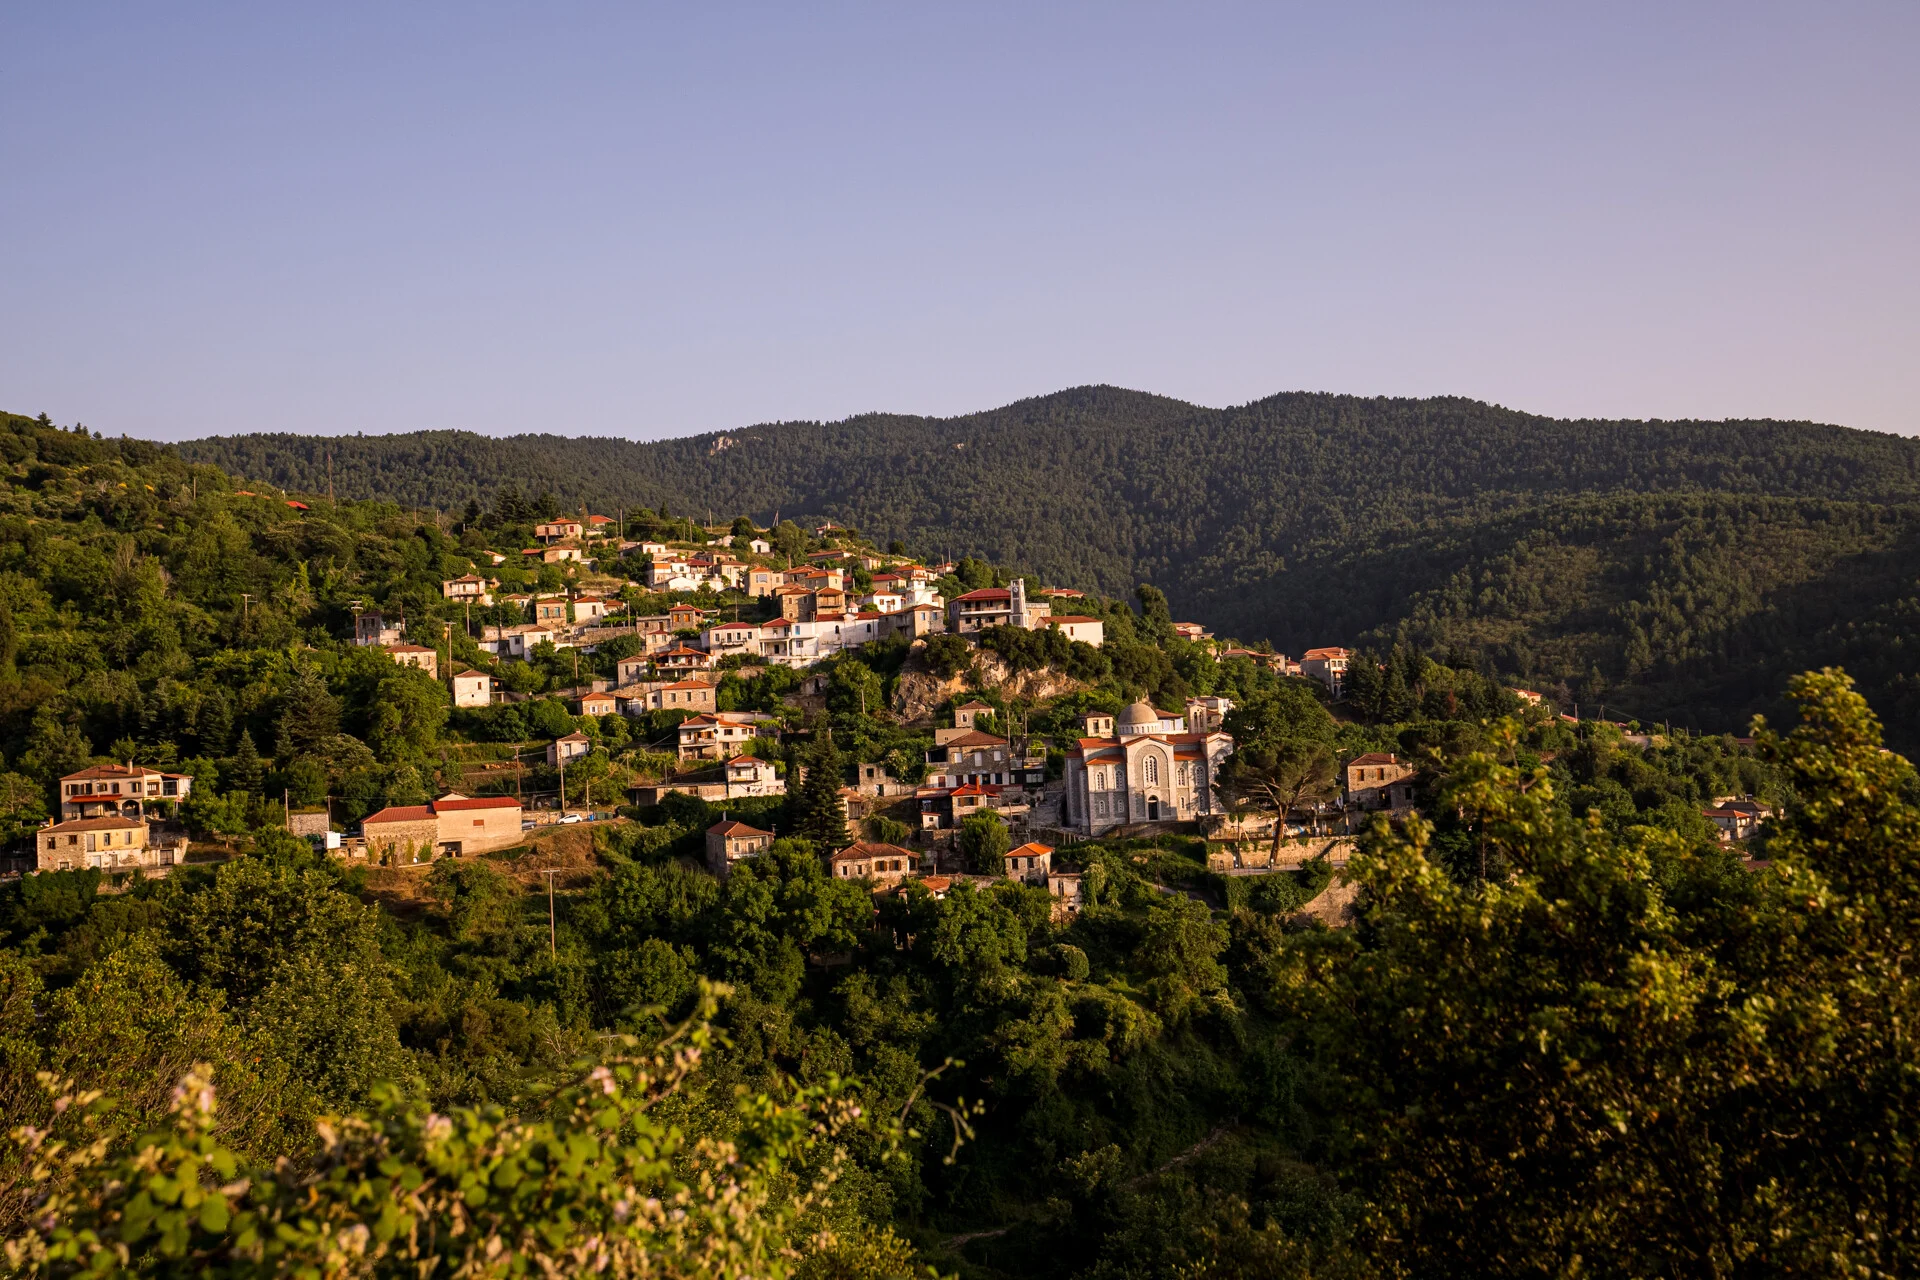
[355,1070]
[1676,571]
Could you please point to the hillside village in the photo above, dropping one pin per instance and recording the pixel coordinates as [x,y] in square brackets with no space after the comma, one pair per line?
[705,663]
[353,793]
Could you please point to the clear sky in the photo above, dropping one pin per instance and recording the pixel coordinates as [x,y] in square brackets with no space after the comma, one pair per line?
[654,220]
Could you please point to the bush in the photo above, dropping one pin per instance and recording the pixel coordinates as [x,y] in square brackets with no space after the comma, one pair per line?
[948,655]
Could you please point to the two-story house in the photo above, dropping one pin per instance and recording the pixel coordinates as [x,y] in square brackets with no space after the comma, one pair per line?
[719,735]
[1006,606]
[417,656]
[371,628]
[1031,862]
[119,791]
[1328,666]
[109,843]
[468,589]
[665,695]
[1380,780]
[730,842]
[884,864]
[552,531]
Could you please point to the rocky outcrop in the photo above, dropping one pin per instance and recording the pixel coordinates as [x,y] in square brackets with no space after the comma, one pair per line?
[920,690]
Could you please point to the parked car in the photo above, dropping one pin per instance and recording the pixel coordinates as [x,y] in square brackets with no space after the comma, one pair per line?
[567,818]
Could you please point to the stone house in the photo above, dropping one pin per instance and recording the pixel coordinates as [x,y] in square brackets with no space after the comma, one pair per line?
[1380,780]
[666,695]
[371,628]
[452,826]
[106,844]
[730,842]
[416,655]
[1032,863]
[884,864]
[1064,887]
[468,589]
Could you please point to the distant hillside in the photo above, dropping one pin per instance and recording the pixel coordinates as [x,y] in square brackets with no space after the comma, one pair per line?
[1670,568]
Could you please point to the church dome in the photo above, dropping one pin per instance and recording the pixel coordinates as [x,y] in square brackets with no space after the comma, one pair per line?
[1139,718]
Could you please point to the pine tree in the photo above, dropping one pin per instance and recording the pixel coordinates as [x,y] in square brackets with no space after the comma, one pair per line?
[309,714]
[244,772]
[815,810]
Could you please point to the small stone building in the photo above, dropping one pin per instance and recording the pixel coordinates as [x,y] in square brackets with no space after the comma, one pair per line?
[1031,862]
[107,844]
[884,864]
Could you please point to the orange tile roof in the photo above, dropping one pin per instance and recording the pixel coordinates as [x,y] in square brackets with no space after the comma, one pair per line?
[400,813]
[463,803]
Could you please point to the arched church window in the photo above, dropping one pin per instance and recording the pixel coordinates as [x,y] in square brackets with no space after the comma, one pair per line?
[1153,770]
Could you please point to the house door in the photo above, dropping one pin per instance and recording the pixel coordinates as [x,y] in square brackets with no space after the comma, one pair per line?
[1153,809]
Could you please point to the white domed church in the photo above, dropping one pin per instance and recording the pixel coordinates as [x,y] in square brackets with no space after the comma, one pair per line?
[1143,766]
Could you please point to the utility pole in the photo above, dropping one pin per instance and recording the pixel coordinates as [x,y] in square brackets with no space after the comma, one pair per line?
[246,599]
[329,475]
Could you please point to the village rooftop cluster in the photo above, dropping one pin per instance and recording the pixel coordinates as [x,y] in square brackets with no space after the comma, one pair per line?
[733,602]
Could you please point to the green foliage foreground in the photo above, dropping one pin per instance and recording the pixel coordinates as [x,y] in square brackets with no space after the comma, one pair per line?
[1631,1056]
[1558,1038]
[593,1182]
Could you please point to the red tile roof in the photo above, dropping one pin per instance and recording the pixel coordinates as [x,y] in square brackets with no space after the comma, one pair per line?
[96,824]
[483,802]
[735,828]
[400,813]
[986,593]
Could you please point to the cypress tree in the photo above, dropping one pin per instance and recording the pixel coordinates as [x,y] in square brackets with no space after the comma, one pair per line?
[815,810]
[244,772]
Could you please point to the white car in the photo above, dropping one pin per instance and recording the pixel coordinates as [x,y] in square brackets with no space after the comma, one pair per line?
[570,818]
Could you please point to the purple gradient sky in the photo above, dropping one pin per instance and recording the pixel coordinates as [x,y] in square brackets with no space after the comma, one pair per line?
[651,221]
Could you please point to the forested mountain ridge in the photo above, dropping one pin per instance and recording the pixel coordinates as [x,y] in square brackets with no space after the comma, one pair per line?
[1302,518]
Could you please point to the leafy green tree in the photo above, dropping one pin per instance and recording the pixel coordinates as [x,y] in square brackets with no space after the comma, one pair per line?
[1156,616]
[984,842]
[408,711]
[1626,1048]
[789,539]
[1282,780]
[854,690]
